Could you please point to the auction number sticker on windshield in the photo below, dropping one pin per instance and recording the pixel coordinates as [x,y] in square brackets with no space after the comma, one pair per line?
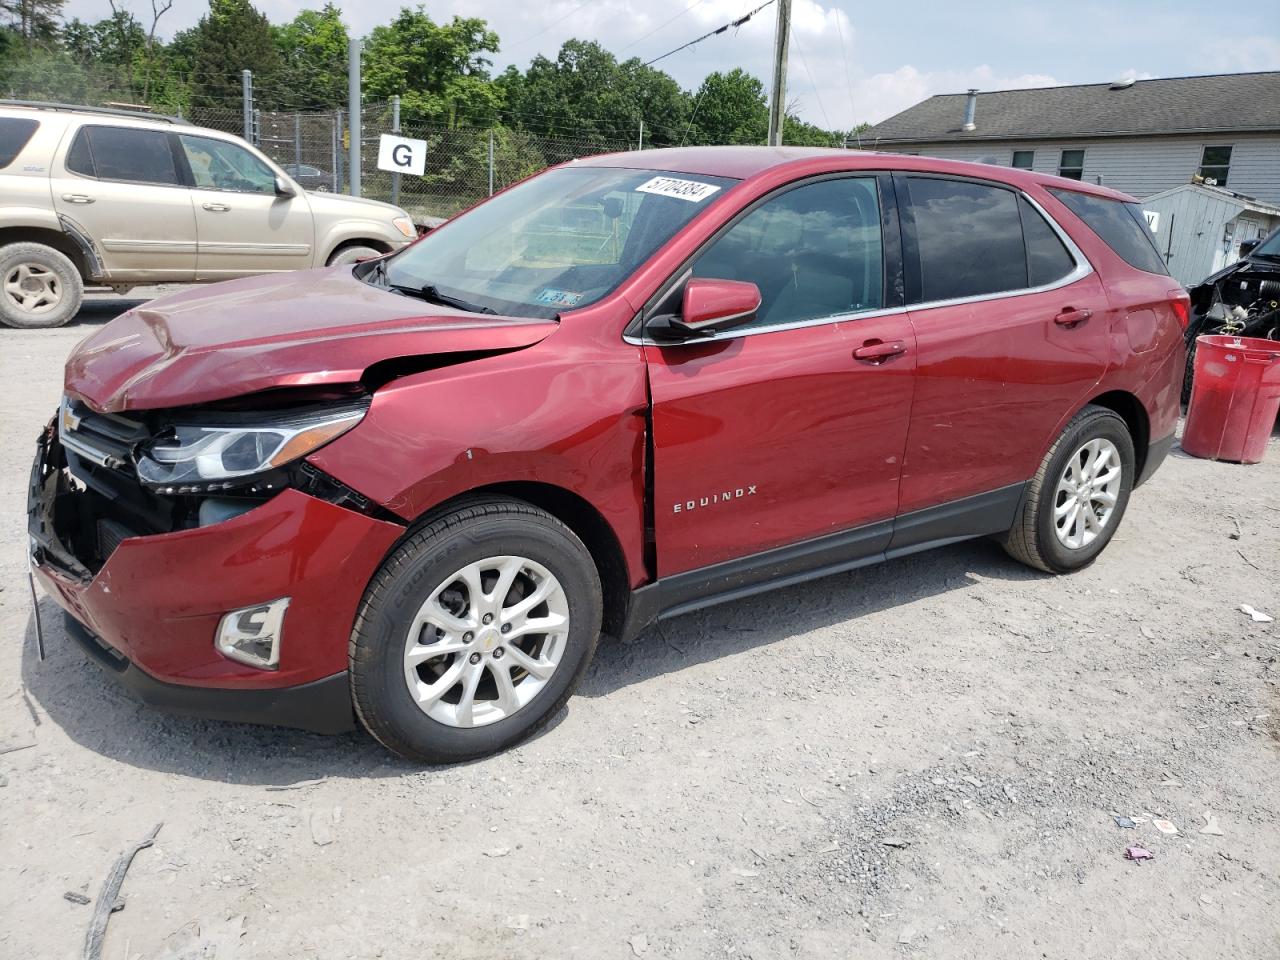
[690,190]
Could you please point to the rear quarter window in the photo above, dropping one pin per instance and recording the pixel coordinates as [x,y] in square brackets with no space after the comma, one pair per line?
[1121,227]
[14,134]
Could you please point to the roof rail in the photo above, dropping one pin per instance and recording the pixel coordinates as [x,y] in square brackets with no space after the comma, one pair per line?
[78,108]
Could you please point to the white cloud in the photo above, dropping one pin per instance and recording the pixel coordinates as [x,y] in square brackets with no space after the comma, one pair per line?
[1242,54]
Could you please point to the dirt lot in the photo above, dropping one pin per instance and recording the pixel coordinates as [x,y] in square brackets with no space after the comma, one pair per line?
[917,760]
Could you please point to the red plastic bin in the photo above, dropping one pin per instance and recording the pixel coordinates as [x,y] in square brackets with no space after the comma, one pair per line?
[1235,398]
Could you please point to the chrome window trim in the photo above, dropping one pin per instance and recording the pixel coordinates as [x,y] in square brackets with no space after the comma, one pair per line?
[1082,269]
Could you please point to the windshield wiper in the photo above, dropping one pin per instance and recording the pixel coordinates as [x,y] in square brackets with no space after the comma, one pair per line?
[432,294]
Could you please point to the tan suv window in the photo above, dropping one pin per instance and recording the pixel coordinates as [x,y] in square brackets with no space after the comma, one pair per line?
[124,154]
[218,165]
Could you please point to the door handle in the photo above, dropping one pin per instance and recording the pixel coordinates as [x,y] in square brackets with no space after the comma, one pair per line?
[878,351]
[1071,316]
[216,207]
[77,198]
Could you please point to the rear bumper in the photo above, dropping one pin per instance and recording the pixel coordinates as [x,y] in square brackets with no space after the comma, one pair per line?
[321,706]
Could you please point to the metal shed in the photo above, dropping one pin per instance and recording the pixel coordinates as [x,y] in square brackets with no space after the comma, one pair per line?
[1199,228]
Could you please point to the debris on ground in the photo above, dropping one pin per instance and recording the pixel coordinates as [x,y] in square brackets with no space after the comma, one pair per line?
[497,852]
[1165,826]
[205,940]
[1125,823]
[1008,792]
[1237,532]
[1210,827]
[75,897]
[639,944]
[322,827]
[110,895]
[1257,616]
[1138,853]
[898,842]
[907,935]
[297,785]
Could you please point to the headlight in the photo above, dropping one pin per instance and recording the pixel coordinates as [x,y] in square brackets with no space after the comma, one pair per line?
[205,455]
[405,226]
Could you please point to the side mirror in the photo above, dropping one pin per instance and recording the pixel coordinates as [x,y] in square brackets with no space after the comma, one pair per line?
[713,305]
[1246,247]
[284,188]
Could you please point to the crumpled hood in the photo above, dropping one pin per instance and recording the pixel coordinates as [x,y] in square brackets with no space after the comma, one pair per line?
[308,328]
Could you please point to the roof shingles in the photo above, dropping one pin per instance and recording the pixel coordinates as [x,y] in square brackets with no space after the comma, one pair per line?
[1235,102]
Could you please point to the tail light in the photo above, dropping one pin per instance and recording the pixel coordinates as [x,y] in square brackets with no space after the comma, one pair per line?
[1181,304]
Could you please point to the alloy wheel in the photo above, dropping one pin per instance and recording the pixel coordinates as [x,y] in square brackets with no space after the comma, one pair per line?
[486,641]
[1087,491]
[33,288]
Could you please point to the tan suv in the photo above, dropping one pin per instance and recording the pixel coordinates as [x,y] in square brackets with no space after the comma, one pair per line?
[111,198]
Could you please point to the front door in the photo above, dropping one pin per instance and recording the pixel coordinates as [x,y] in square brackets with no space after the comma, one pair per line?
[777,432]
[243,226]
[121,186]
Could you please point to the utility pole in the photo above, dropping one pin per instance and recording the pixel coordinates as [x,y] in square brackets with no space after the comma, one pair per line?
[246,93]
[395,128]
[641,146]
[353,96]
[491,163]
[778,105]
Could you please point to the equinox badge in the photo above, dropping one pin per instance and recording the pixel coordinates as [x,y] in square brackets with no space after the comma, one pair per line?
[722,497]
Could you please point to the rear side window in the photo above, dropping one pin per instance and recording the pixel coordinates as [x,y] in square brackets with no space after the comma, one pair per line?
[1047,257]
[122,153]
[1120,225]
[14,134]
[968,237]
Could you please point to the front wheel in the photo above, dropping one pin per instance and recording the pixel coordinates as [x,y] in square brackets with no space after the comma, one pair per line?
[353,253]
[1078,496]
[474,632]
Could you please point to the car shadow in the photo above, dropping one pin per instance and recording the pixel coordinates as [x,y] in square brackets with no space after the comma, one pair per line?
[97,310]
[778,615]
[74,694]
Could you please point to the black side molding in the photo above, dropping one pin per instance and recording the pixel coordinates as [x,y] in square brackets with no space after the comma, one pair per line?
[1157,450]
[322,706]
[976,516]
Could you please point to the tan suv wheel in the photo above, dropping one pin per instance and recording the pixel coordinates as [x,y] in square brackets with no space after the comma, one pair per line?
[39,287]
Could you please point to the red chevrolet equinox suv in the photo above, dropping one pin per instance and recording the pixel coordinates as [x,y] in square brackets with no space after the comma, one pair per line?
[415,491]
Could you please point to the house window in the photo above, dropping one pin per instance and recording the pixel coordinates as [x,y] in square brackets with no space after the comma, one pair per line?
[1024,159]
[1214,163]
[1071,164]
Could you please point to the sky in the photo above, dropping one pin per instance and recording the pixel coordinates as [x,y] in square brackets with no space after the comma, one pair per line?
[852,62]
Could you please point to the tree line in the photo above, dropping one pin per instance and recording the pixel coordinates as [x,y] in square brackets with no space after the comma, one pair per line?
[441,71]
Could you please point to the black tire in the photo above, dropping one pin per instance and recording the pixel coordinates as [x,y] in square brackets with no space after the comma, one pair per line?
[1032,538]
[473,532]
[351,253]
[47,264]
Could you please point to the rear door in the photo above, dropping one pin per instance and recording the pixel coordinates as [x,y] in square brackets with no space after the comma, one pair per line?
[775,433]
[123,187]
[243,226]
[1011,335]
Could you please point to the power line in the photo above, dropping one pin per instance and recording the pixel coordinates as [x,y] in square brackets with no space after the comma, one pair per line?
[711,33]
[816,95]
[853,110]
[553,23]
[660,26]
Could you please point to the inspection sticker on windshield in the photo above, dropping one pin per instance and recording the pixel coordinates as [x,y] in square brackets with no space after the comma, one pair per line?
[557,298]
[690,190]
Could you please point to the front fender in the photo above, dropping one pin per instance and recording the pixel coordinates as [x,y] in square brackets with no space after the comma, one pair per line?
[361,229]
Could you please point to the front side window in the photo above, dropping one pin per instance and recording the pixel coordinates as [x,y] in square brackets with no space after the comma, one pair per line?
[1120,225]
[814,251]
[968,237]
[123,153]
[219,165]
[1024,159]
[14,134]
[1215,164]
[1071,164]
[561,240]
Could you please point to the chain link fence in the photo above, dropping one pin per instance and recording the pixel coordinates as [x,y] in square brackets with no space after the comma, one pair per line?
[464,164]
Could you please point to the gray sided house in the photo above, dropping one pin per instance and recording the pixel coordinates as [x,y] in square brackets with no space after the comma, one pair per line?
[1141,137]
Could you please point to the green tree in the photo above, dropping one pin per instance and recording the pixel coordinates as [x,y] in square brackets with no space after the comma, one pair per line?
[34,21]
[313,56]
[440,71]
[233,36]
[731,108]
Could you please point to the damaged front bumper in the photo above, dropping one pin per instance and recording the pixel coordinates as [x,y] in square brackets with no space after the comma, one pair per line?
[148,605]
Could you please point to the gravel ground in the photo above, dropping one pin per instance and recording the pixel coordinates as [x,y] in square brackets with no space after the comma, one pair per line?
[920,759]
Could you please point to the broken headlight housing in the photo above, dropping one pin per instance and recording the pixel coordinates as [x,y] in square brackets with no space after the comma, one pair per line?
[229,451]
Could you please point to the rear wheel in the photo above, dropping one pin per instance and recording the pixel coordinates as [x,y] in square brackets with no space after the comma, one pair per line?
[475,631]
[39,286]
[1078,496]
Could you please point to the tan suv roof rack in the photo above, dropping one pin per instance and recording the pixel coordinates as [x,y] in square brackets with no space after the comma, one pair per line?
[78,108]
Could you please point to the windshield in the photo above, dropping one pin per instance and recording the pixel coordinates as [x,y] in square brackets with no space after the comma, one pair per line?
[1269,247]
[556,242]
